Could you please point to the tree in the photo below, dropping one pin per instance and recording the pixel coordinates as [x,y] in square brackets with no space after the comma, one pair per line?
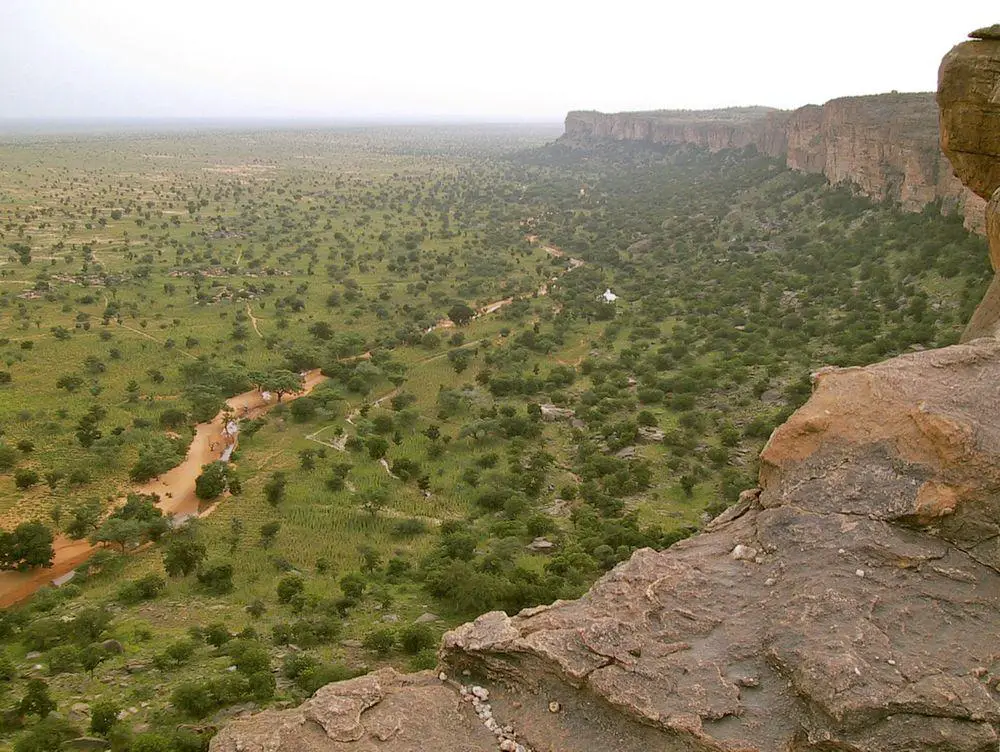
[29,545]
[217,578]
[289,586]
[132,391]
[303,409]
[193,699]
[373,500]
[183,555]
[416,637]
[268,532]
[92,656]
[274,489]
[86,518]
[70,382]
[212,481]
[377,446]
[25,478]
[279,380]
[103,716]
[36,699]
[461,314]
[121,532]
[87,431]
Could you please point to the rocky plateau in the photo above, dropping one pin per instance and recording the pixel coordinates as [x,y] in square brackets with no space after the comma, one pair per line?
[886,144]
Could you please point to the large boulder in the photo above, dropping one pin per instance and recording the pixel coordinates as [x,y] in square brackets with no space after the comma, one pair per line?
[381,711]
[969,101]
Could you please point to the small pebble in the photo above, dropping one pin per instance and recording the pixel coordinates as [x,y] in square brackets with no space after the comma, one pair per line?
[554,707]
[443,676]
[859,572]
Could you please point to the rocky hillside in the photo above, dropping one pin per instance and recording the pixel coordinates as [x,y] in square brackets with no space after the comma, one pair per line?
[886,144]
[850,603]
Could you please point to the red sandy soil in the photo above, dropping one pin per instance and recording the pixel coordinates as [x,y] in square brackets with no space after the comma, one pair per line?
[175,488]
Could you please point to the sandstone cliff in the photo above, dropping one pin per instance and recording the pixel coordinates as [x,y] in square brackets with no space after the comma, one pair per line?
[887,144]
[849,604]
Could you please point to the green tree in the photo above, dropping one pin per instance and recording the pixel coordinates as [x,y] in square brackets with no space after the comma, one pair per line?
[461,314]
[274,489]
[183,555]
[103,716]
[289,586]
[377,446]
[29,545]
[212,481]
[268,532]
[279,380]
[36,699]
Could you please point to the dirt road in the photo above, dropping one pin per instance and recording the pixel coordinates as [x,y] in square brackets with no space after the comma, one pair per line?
[175,487]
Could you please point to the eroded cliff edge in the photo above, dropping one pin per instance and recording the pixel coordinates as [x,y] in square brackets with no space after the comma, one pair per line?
[851,603]
[885,144]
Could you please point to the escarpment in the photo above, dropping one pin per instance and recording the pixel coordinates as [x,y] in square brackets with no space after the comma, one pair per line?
[886,144]
[851,603]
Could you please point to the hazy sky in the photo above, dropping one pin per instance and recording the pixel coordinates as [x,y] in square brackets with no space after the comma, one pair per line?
[443,59]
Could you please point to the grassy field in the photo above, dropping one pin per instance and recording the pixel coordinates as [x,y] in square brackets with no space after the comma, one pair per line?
[146,277]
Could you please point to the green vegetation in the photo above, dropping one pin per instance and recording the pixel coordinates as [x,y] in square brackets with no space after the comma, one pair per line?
[490,432]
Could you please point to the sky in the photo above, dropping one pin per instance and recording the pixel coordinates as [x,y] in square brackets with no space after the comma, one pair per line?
[450,60]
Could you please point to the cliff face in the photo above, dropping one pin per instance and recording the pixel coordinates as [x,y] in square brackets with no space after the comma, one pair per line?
[849,604]
[887,144]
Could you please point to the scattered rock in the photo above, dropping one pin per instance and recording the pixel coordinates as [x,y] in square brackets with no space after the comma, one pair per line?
[113,646]
[426,618]
[651,434]
[87,742]
[552,412]
[541,545]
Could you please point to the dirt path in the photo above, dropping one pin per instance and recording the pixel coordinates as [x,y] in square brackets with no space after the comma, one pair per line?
[175,487]
[150,336]
[486,310]
[253,320]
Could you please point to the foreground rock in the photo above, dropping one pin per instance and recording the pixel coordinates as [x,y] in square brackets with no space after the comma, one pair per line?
[852,604]
[383,710]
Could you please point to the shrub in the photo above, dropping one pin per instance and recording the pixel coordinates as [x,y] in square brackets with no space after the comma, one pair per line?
[25,478]
[46,735]
[380,641]
[415,638]
[217,579]
[193,699]
[144,589]
[63,659]
[103,716]
[217,634]
[289,587]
